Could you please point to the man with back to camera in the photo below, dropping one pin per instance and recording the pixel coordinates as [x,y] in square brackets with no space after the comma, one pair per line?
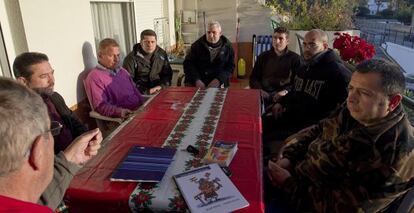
[359,159]
[210,62]
[148,64]
[109,87]
[26,159]
[274,70]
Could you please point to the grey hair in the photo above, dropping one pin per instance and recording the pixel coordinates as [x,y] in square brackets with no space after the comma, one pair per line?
[23,118]
[392,78]
[107,42]
[214,24]
[322,34]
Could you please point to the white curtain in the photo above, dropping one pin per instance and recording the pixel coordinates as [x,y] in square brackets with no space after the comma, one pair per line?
[114,20]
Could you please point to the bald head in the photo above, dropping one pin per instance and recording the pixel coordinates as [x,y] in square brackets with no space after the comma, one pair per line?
[314,42]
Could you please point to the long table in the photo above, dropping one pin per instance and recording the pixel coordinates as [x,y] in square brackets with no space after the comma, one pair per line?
[92,191]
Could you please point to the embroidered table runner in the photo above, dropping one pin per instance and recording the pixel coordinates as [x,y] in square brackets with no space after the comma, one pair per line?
[196,127]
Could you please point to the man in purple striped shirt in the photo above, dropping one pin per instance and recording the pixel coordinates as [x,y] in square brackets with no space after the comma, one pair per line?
[109,87]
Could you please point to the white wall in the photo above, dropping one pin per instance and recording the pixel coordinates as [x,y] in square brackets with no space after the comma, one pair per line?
[12,28]
[145,12]
[63,30]
[254,17]
[171,19]
[223,11]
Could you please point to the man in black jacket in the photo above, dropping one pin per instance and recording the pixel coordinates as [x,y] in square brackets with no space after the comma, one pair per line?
[320,85]
[34,70]
[148,64]
[210,61]
[274,70]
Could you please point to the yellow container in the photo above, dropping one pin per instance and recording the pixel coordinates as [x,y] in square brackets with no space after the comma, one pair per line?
[241,68]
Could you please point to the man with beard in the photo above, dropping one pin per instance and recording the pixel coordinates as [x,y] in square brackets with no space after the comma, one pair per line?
[34,70]
[210,61]
[320,86]
[148,64]
[274,70]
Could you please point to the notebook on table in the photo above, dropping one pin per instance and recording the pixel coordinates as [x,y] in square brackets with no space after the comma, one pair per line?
[144,164]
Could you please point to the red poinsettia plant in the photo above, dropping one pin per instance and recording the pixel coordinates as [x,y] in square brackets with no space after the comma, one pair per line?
[353,49]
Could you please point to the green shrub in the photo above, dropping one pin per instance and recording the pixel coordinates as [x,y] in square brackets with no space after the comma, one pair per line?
[387,13]
[362,11]
[404,15]
[306,15]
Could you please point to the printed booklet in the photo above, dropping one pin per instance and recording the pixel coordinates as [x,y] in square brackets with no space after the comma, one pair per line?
[208,189]
[221,152]
[144,164]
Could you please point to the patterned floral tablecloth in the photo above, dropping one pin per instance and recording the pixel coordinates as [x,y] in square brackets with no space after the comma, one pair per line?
[177,117]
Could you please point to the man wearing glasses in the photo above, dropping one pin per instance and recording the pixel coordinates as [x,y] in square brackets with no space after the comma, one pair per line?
[210,61]
[320,86]
[148,64]
[26,160]
[34,70]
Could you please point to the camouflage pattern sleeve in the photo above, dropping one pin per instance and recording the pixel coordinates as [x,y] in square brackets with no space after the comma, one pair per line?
[297,144]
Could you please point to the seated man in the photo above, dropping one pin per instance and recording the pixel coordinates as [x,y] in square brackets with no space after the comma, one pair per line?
[358,160]
[210,61]
[26,167]
[148,64]
[320,86]
[274,69]
[109,87]
[33,70]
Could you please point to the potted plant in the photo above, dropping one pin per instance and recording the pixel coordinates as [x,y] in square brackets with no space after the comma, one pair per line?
[353,49]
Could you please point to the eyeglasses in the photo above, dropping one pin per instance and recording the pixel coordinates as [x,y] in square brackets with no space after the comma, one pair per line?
[311,45]
[55,128]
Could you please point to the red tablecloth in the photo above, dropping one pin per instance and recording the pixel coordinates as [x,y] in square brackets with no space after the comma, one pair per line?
[92,191]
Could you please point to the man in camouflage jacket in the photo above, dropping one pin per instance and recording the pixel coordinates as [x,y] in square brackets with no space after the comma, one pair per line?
[360,159]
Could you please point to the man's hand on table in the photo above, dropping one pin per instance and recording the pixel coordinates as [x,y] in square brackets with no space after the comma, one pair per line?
[154,90]
[84,147]
[215,83]
[200,84]
[125,113]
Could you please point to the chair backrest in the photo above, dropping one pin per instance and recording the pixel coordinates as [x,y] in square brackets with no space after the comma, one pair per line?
[88,95]
[261,43]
